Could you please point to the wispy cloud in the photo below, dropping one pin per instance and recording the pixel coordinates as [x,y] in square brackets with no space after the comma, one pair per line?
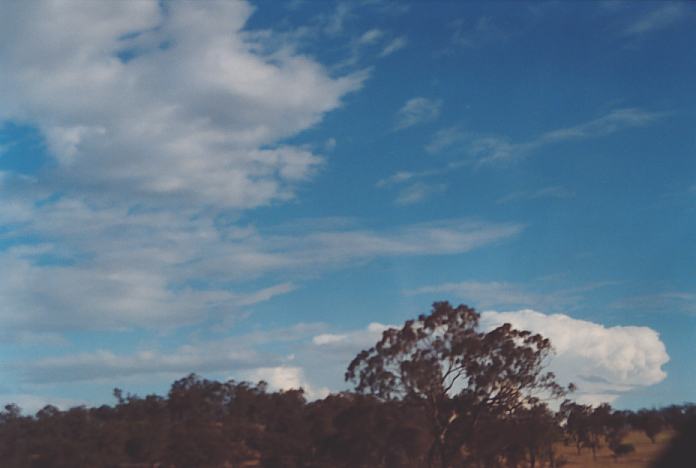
[501,294]
[445,138]
[482,31]
[497,150]
[394,45]
[240,354]
[115,268]
[500,151]
[418,192]
[370,37]
[662,17]
[417,111]
[546,192]
[670,301]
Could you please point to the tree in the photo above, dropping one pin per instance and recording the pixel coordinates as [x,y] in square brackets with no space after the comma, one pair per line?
[650,422]
[459,374]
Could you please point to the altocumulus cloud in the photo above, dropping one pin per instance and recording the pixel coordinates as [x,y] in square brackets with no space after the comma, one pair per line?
[138,99]
[113,268]
[158,119]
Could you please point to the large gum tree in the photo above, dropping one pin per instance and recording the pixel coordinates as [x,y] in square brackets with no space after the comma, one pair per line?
[462,377]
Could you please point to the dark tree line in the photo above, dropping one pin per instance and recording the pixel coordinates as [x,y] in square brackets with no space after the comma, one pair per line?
[437,392]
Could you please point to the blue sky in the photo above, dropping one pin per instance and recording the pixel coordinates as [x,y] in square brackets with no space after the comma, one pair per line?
[254,190]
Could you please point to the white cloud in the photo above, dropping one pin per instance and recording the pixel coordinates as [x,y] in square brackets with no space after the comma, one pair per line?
[417,111]
[394,45]
[370,37]
[605,362]
[496,150]
[673,301]
[159,105]
[353,340]
[239,354]
[490,294]
[31,403]
[480,32]
[660,18]
[445,138]
[287,378]
[546,192]
[500,294]
[417,192]
[115,268]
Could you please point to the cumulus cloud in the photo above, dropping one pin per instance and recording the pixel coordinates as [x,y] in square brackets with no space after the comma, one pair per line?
[416,111]
[163,104]
[604,362]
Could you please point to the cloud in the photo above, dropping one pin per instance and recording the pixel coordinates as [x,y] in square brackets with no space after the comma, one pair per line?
[483,31]
[445,138]
[31,403]
[241,354]
[101,267]
[504,294]
[148,103]
[335,23]
[287,378]
[498,151]
[672,301]
[605,362]
[370,37]
[660,18]
[417,111]
[394,45]
[546,192]
[418,192]
[242,357]
[353,340]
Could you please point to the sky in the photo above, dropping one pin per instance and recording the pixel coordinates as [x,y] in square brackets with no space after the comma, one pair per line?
[255,190]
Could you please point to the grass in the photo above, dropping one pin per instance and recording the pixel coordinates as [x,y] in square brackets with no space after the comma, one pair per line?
[644,454]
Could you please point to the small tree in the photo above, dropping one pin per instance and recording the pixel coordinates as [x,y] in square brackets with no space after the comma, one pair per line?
[459,374]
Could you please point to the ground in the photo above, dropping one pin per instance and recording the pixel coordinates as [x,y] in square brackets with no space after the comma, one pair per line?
[645,453]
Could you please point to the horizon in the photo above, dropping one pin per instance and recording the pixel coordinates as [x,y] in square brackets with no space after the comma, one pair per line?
[253,190]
